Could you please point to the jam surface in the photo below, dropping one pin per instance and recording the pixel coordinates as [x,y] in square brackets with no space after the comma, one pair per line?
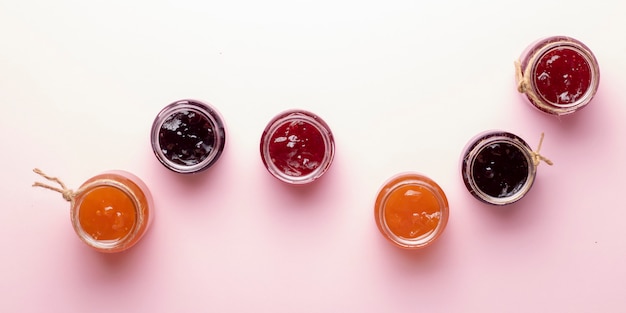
[412,211]
[500,170]
[562,76]
[186,137]
[107,213]
[297,148]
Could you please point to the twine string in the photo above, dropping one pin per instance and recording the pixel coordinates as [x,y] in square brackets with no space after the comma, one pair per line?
[537,158]
[523,81]
[519,78]
[68,194]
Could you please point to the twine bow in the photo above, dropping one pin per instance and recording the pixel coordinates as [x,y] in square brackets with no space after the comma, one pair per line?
[537,158]
[68,194]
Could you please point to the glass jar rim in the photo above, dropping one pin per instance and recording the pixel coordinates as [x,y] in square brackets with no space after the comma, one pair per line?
[320,126]
[547,45]
[411,179]
[107,245]
[206,110]
[481,142]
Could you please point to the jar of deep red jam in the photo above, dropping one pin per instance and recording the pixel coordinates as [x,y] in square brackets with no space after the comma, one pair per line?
[110,212]
[188,136]
[559,75]
[297,147]
[498,167]
[411,210]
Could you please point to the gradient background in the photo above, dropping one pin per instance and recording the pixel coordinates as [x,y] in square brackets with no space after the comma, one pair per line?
[403,85]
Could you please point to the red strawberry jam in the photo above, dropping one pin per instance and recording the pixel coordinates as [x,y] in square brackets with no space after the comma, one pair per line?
[562,76]
[559,75]
[297,147]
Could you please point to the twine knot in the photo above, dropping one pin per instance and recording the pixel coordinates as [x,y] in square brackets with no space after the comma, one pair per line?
[522,83]
[68,194]
[537,158]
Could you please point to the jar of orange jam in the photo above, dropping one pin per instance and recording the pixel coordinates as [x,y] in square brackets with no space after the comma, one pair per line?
[110,212]
[411,210]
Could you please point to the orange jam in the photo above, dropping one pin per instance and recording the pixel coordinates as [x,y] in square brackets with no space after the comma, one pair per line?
[411,210]
[107,213]
[111,211]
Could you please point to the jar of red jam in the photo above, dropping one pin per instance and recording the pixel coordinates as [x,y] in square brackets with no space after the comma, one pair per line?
[559,75]
[297,147]
[411,210]
[499,167]
[188,136]
[110,212]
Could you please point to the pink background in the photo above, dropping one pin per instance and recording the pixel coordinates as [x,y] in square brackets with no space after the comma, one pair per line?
[403,85]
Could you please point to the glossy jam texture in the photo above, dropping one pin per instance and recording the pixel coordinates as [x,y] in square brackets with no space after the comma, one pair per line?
[112,211]
[107,213]
[297,148]
[186,137]
[412,211]
[562,76]
[500,169]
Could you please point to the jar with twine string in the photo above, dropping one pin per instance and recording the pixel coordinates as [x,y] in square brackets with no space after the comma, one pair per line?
[499,167]
[559,75]
[110,212]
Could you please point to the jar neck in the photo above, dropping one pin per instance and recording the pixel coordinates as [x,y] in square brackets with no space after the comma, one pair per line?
[481,143]
[217,129]
[527,82]
[319,125]
[411,179]
[113,245]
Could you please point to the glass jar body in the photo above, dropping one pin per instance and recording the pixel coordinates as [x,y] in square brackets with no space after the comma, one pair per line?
[559,75]
[411,210]
[112,211]
[188,136]
[297,147]
[498,167]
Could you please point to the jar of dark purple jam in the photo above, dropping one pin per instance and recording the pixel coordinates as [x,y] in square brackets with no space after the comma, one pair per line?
[297,147]
[498,167]
[559,75]
[188,136]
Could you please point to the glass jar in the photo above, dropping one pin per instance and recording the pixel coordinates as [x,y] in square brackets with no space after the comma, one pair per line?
[498,167]
[559,75]
[411,210]
[112,211]
[188,136]
[297,147]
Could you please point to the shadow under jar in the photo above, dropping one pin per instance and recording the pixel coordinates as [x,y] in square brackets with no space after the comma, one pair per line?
[411,210]
[297,147]
[498,167]
[188,136]
[559,75]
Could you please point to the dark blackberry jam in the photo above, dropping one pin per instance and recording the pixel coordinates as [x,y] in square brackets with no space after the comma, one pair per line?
[188,136]
[498,168]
